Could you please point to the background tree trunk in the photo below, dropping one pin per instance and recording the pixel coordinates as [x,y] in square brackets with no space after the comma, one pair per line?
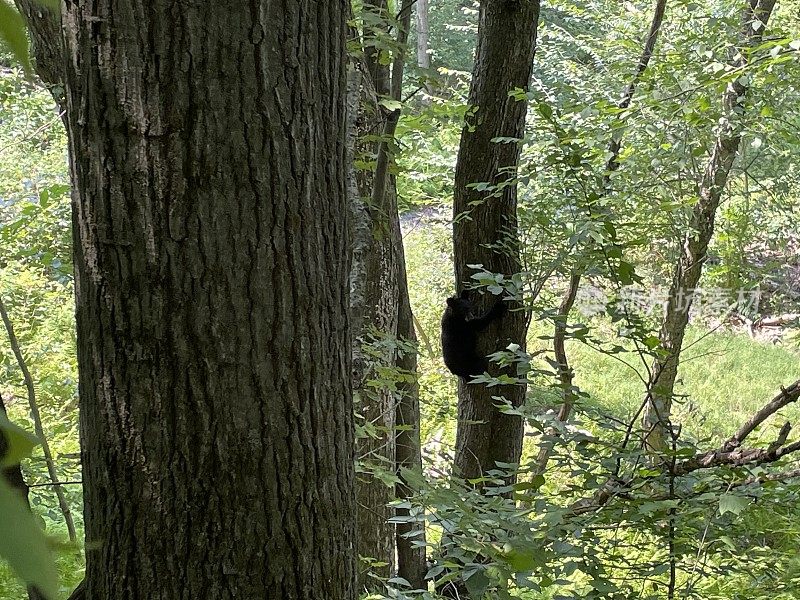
[212,263]
[689,268]
[374,290]
[379,302]
[410,536]
[47,45]
[378,71]
[504,60]
[423,35]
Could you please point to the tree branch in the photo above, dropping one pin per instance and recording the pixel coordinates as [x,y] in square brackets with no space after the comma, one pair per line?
[614,147]
[728,454]
[37,424]
[786,396]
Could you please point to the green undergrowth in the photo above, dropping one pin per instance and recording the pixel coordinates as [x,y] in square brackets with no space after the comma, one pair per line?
[724,378]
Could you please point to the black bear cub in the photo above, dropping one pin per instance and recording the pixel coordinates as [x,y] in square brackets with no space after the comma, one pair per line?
[460,335]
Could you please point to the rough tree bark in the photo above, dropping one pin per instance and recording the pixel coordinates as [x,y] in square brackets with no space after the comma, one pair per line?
[488,235]
[378,299]
[689,268]
[212,262]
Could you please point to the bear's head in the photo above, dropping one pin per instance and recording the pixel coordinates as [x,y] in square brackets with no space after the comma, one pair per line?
[460,305]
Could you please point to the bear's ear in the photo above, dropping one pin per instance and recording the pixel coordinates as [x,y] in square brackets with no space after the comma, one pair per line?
[451,302]
[464,295]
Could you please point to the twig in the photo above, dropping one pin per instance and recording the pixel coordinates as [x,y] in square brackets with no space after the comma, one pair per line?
[76,482]
[565,373]
[37,424]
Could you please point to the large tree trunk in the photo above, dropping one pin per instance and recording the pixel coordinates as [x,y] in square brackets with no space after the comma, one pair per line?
[689,268]
[504,60]
[212,263]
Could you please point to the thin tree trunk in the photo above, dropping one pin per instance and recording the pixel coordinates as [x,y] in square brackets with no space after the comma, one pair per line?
[565,373]
[377,70]
[38,426]
[656,418]
[212,259]
[423,35]
[615,145]
[504,61]
[410,536]
[374,291]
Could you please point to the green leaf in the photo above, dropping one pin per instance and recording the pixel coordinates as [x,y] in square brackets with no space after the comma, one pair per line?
[627,273]
[732,503]
[534,484]
[390,104]
[23,544]
[521,556]
[476,582]
[13,35]
[727,541]
[19,442]
[545,110]
[399,581]
[651,342]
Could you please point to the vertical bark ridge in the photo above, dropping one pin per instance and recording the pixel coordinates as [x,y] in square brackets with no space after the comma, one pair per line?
[211,252]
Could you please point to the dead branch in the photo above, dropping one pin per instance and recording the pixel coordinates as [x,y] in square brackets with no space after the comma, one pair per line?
[728,454]
[786,396]
[777,321]
[736,458]
[767,477]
